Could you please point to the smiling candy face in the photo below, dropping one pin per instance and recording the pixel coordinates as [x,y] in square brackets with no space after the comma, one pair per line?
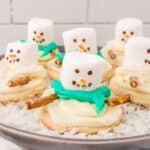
[40,31]
[81,40]
[127,28]
[137,52]
[79,74]
[19,53]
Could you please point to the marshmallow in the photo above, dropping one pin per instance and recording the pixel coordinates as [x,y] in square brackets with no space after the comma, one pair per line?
[137,52]
[82,71]
[40,31]
[21,53]
[128,27]
[80,39]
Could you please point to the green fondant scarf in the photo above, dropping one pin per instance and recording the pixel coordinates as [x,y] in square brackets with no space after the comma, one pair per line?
[23,41]
[60,56]
[99,53]
[46,49]
[96,96]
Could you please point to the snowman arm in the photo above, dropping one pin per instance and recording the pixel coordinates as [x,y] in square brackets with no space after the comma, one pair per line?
[38,102]
[112,101]
[19,81]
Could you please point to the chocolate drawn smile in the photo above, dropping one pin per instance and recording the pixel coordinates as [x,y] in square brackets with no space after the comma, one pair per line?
[84,86]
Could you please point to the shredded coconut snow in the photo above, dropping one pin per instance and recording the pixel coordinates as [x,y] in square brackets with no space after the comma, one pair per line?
[136,121]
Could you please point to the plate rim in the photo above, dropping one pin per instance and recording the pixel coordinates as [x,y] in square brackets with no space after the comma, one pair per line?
[50,138]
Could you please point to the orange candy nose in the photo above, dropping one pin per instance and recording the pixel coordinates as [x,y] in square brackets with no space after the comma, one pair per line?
[12,55]
[38,36]
[127,36]
[82,81]
[81,47]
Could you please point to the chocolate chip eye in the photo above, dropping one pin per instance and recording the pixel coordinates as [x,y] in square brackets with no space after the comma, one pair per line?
[77,71]
[90,72]
[11,50]
[148,51]
[34,32]
[18,51]
[88,48]
[122,39]
[83,40]
[41,33]
[132,33]
[17,59]
[74,40]
[124,32]
[73,82]
[146,61]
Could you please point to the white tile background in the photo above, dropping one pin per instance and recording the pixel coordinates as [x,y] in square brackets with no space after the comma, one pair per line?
[67,14]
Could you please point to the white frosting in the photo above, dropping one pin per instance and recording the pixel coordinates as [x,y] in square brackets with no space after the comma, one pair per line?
[21,53]
[137,52]
[80,114]
[40,30]
[80,39]
[128,27]
[10,71]
[82,71]
[123,75]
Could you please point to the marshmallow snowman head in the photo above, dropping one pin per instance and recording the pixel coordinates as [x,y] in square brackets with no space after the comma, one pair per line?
[40,31]
[21,53]
[80,40]
[127,28]
[82,71]
[137,52]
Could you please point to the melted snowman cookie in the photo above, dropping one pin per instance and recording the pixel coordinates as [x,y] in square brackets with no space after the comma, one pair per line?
[21,76]
[133,76]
